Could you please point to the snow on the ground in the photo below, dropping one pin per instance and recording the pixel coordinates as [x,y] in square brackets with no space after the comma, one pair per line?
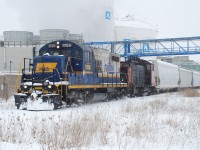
[164,121]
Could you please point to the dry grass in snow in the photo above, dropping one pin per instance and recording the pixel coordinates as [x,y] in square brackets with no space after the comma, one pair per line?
[191,93]
[165,121]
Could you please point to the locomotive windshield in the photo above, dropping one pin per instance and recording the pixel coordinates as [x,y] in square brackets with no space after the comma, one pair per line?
[65,48]
[77,53]
[56,52]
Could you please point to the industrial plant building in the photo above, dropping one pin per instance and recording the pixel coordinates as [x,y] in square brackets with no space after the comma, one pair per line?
[26,38]
[95,21]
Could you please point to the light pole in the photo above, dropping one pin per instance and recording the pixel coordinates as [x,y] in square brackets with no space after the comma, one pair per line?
[10,65]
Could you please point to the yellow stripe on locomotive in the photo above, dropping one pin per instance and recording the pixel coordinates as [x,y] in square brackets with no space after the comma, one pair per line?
[45,67]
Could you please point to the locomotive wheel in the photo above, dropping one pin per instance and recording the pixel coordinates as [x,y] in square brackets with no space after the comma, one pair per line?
[55,106]
[18,106]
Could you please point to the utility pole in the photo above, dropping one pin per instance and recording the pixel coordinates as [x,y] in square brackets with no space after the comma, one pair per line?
[10,65]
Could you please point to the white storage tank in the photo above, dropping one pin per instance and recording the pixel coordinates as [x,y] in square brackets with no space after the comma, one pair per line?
[48,35]
[1,38]
[76,37]
[36,39]
[92,18]
[18,38]
[130,28]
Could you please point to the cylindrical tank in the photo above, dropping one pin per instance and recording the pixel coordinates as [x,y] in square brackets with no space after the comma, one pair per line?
[76,37]
[1,38]
[48,35]
[92,18]
[130,28]
[18,38]
[36,39]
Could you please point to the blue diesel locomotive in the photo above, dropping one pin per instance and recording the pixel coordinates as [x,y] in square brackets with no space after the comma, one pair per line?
[70,72]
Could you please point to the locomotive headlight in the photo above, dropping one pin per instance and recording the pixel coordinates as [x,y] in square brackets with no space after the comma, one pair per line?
[58,45]
[25,86]
[49,86]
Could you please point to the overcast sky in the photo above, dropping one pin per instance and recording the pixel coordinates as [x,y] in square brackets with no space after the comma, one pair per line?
[175,18]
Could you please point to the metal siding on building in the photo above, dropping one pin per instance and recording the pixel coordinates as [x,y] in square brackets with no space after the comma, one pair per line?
[15,55]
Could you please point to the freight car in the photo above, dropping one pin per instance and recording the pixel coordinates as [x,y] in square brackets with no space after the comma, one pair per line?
[140,77]
[170,77]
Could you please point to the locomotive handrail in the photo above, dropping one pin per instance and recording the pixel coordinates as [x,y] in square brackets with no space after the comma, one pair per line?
[18,77]
[69,59]
[110,75]
[60,79]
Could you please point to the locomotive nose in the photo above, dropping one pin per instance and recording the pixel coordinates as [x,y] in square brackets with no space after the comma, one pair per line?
[49,67]
[34,96]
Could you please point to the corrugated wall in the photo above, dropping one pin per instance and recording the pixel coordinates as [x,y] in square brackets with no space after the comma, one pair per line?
[8,85]
[15,55]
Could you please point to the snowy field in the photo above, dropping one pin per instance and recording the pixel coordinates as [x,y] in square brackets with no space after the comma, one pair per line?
[167,121]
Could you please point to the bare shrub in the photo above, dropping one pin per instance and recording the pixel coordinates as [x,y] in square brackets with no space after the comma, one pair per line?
[128,108]
[174,109]
[7,105]
[158,104]
[135,130]
[140,127]
[66,133]
[103,132]
[190,93]
[170,122]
